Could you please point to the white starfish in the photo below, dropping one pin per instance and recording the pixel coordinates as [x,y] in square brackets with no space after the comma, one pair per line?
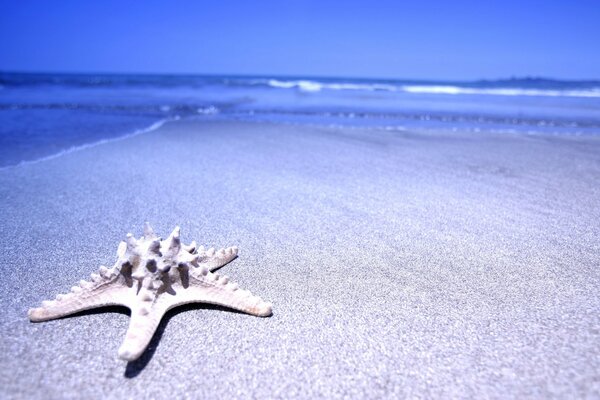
[150,277]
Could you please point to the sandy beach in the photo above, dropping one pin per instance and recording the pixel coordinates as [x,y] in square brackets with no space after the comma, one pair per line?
[399,264]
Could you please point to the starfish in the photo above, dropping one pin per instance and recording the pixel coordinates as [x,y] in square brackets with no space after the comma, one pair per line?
[150,277]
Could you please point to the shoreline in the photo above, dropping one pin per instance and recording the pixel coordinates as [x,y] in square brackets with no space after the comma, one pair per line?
[400,129]
[156,125]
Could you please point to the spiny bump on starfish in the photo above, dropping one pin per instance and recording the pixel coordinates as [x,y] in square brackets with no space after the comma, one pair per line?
[150,277]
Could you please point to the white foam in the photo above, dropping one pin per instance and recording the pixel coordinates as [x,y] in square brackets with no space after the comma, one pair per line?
[73,149]
[308,86]
[314,86]
[595,92]
[359,86]
[208,110]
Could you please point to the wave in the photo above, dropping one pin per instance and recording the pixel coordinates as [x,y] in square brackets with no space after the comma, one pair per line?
[502,87]
[210,110]
[592,92]
[316,86]
[73,149]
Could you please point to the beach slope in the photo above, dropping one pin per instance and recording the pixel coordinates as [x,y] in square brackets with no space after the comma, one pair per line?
[399,264]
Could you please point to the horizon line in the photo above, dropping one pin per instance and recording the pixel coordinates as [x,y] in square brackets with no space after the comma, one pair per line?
[296,76]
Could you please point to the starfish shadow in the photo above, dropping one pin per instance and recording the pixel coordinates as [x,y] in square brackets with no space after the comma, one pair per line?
[94,311]
[134,368]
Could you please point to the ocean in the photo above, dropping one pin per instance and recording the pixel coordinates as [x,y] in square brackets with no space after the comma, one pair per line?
[46,115]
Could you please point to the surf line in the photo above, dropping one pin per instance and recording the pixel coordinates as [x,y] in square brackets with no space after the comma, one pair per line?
[73,149]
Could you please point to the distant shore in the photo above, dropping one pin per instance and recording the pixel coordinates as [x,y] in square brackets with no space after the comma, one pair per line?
[399,263]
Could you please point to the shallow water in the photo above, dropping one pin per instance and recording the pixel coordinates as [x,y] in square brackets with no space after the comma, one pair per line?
[43,115]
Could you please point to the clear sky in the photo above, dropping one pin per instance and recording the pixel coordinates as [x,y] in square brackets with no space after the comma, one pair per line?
[428,39]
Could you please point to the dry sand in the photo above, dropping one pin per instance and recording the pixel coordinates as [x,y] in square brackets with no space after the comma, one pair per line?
[399,264]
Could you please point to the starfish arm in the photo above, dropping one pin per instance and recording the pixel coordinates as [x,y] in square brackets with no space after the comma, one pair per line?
[203,287]
[144,321]
[105,290]
[213,260]
[208,287]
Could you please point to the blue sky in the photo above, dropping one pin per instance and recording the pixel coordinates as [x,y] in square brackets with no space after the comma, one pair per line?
[392,39]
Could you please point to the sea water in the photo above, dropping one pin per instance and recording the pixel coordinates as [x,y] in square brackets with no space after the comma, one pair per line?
[46,115]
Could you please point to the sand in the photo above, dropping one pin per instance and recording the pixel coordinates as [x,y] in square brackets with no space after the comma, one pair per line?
[400,264]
